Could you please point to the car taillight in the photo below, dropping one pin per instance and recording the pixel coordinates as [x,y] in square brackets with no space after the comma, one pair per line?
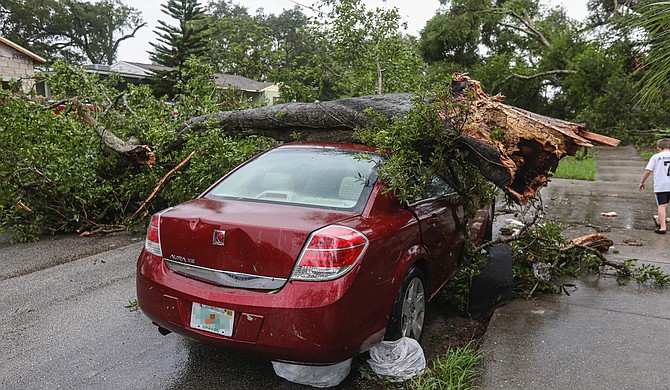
[152,243]
[330,253]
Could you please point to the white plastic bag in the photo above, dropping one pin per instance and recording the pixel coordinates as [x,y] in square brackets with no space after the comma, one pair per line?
[401,359]
[315,376]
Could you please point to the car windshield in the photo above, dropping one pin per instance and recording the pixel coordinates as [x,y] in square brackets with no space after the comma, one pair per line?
[315,177]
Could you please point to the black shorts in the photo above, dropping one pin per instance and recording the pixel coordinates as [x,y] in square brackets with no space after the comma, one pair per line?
[662,198]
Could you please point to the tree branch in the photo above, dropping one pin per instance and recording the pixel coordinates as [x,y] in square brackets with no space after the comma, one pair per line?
[131,35]
[535,76]
[139,154]
[160,183]
[531,28]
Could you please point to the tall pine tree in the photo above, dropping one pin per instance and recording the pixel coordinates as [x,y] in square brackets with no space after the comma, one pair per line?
[177,43]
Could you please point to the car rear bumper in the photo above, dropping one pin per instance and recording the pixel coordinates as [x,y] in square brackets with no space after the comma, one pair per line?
[303,322]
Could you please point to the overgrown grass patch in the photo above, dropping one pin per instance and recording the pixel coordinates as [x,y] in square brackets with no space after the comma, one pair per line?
[579,167]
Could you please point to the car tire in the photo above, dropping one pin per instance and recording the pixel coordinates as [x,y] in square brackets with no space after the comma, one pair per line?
[409,310]
[488,234]
[493,287]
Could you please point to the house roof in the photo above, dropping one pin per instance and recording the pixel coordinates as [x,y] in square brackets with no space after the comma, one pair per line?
[240,82]
[22,50]
[139,70]
[124,68]
[149,67]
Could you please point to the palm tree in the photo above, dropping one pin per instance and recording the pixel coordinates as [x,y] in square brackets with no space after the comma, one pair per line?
[655,20]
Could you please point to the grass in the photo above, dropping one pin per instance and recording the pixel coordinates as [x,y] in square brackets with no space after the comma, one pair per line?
[132,305]
[646,154]
[579,167]
[458,369]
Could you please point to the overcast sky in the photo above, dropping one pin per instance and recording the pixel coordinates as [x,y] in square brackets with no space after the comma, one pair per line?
[415,12]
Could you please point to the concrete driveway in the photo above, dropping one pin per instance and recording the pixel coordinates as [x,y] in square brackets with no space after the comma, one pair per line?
[602,336]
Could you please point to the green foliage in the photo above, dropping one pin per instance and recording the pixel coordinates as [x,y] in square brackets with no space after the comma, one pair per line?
[580,167]
[543,255]
[455,35]
[365,51]
[458,368]
[456,293]
[497,134]
[542,259]
[543,61]
[646,154]
[73,30]
[59,177]
[241,44]
[539,260]
[419,148]
[645,273]
[655,20]
[176,44]
[132,305]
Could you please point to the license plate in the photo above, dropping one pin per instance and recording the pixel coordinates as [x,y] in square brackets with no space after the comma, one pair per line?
[212,319]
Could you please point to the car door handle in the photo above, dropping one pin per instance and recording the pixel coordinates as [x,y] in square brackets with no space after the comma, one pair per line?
[432,220]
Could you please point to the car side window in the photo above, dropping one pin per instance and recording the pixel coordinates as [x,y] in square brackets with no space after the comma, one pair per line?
[438,188]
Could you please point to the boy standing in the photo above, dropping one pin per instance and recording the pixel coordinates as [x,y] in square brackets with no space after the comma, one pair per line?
[659,165]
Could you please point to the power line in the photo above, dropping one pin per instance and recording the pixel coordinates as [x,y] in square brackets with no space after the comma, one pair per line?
[305,6]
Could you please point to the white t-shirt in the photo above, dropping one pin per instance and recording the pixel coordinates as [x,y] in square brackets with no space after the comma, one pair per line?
[660,165]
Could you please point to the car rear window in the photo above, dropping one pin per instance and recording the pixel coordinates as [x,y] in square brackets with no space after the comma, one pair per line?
[314,177]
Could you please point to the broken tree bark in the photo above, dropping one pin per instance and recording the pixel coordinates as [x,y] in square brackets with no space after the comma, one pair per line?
[139,154]
[531,144]
[519,161]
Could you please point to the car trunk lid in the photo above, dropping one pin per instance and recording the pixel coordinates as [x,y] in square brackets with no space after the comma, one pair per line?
[252,238]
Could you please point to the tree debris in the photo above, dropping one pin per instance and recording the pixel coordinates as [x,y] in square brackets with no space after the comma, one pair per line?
[139,154]
[519,161]
[161,182]
[595,241]
[23,207]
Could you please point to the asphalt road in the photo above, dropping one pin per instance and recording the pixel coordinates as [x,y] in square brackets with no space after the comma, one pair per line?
[64,324]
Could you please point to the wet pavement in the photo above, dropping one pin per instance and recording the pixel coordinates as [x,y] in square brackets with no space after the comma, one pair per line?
[64,323]
[602,336]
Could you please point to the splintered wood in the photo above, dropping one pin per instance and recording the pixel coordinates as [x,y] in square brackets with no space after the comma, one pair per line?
[530,145]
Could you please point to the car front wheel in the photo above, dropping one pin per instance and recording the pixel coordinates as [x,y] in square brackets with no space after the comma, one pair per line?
[410,308]
[488,234]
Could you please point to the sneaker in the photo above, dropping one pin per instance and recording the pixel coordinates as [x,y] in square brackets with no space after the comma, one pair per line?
[659,231]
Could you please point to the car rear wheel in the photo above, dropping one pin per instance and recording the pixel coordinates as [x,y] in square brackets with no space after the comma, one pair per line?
[409,311]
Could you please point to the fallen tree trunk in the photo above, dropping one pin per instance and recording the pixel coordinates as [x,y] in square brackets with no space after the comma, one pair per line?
[320,121]
[515,149]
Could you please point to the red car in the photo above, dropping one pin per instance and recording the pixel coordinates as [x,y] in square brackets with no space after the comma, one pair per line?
[299,255]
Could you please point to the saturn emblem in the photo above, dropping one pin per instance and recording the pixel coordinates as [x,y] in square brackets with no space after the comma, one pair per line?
[219,237]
